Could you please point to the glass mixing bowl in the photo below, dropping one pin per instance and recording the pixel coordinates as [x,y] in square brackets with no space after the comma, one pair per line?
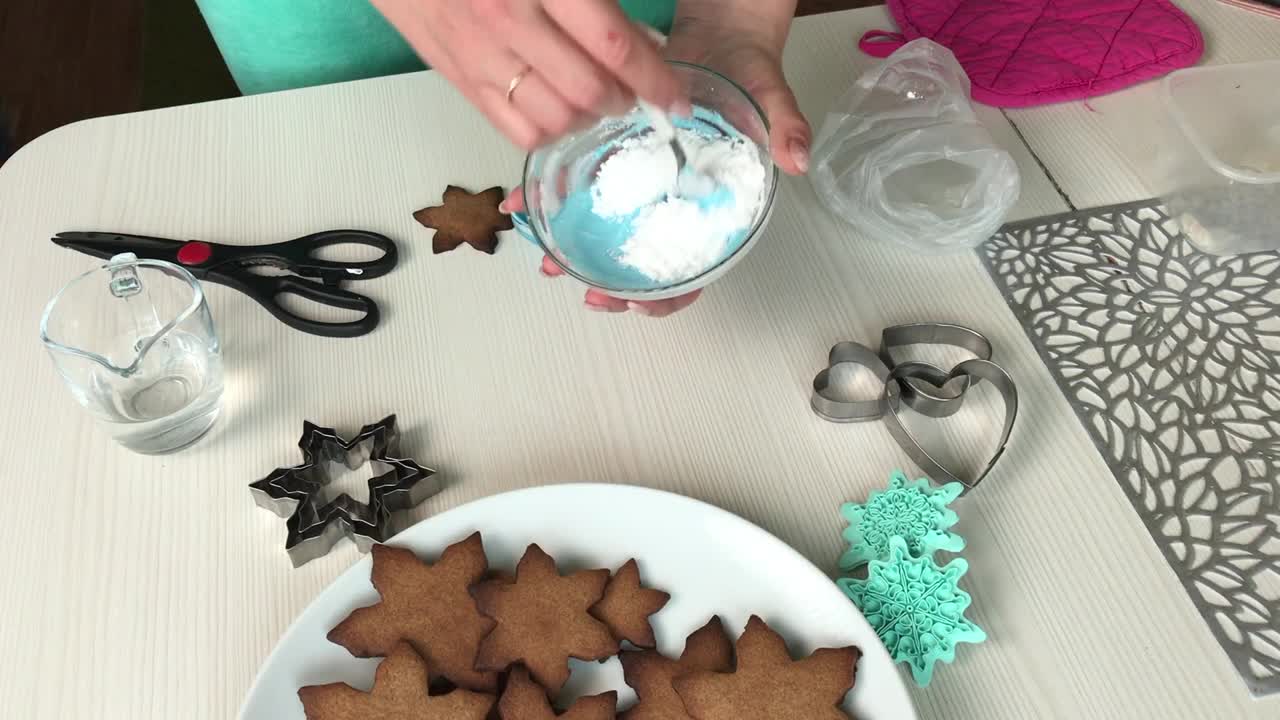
[553,174]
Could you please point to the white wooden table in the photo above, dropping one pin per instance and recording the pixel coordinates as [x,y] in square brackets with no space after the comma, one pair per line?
[153,587]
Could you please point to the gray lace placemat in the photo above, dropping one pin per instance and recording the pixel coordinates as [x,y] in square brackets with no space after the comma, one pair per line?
[1171,359]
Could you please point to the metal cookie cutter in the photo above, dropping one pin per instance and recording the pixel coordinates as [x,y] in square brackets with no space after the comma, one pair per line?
[934,400]
[297,492]
[848,410]
[976,369]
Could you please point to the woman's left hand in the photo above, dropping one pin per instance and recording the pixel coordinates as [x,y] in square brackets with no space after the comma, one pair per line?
[744,40]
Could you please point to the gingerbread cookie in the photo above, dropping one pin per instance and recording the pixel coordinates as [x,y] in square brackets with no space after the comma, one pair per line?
[473,218]
[399,693]
[524,699]
[542,620]
[430,607]
[768,685]
[627,605]
[650,674]
[500,576]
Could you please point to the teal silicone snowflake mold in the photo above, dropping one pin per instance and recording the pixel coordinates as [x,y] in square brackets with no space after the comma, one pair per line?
[913,511]
[916,607]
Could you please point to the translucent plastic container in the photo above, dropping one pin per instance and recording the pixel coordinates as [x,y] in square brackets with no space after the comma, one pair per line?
[1223,156]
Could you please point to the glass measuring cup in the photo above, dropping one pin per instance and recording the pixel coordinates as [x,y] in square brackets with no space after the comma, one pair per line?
[135,343]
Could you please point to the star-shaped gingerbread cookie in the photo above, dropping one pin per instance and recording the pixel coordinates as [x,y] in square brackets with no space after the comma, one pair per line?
[399,693]
[768,685]
[542,620]
[627,605]
[650,674]
[428,605]
[525,699]
[471,218]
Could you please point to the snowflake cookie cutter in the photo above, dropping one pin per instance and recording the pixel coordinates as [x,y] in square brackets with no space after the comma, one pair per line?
[297,492]
[914,511]
[916,607]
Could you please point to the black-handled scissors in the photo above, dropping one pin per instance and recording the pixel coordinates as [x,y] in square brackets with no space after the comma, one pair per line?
[231,265]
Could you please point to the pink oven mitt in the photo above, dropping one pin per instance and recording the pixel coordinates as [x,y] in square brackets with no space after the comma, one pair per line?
[1033,52]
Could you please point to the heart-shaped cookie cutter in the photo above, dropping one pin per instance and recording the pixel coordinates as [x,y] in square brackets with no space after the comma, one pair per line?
[975,369]
[935,401]
[899,381]
[844,411]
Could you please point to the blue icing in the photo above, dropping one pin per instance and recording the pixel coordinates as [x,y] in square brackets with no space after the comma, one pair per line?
[718,198]
[592,243]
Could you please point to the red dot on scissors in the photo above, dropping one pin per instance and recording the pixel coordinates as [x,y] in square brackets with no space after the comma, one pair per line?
[194,253]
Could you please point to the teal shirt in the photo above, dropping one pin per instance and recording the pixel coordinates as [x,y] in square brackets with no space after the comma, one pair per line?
[280,44]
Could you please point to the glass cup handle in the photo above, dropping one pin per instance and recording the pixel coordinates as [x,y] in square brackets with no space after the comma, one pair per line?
[124,275]
[521,222]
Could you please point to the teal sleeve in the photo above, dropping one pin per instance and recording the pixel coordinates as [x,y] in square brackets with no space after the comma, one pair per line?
[654,13]
[280,44]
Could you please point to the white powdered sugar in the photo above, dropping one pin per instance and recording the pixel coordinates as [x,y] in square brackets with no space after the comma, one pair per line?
[680,228]
[633,177]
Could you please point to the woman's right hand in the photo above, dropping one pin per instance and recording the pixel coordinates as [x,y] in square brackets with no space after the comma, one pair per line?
[577,60]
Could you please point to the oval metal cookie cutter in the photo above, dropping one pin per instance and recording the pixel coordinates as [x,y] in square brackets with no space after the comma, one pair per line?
[934,400]
[975,369]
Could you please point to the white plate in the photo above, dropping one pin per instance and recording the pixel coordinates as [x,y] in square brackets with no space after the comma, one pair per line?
[712,562]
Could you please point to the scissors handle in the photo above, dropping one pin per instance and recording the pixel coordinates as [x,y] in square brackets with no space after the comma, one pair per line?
[266,291]
[300,255]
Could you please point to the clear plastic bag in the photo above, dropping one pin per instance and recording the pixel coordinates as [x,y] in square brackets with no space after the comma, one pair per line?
[903,157]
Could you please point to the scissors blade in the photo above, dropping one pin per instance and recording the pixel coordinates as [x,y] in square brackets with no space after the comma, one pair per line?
[108,245]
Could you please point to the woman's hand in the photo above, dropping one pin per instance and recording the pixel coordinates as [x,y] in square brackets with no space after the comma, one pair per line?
[566,62]
[743,39]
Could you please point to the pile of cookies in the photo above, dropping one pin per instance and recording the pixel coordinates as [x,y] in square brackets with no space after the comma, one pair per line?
[460,642]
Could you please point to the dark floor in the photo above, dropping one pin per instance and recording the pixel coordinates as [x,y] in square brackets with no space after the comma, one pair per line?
[67,60]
